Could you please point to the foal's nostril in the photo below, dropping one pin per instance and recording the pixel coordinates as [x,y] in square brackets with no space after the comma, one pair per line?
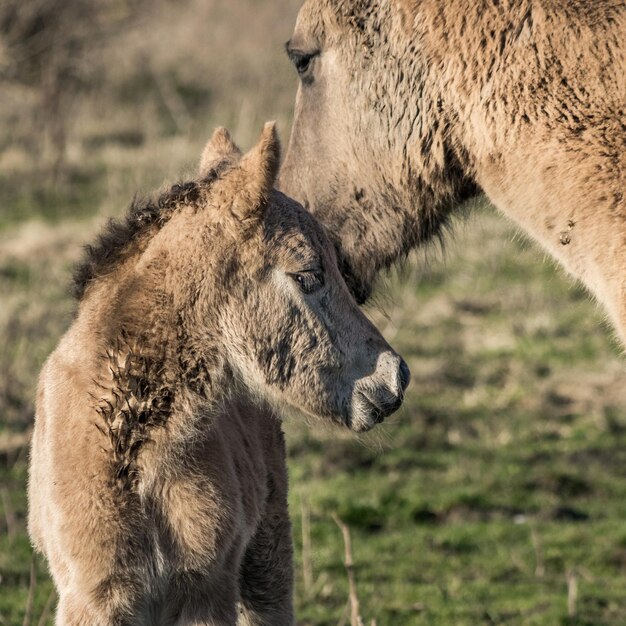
[405,375]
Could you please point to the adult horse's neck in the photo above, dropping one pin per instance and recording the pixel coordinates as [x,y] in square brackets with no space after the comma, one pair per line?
[568,198]
[534,96]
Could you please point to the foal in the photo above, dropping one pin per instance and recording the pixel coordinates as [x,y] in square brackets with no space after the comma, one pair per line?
[158,487]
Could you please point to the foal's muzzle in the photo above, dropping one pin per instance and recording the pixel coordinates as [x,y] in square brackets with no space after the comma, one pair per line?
[381,394]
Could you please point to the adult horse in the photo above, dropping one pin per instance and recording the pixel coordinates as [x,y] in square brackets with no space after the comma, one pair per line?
[407,107]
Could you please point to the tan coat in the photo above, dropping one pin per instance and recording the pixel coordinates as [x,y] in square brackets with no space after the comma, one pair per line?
[157,487]
[407,107]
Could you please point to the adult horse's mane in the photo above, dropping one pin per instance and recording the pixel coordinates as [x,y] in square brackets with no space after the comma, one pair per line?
[113,244]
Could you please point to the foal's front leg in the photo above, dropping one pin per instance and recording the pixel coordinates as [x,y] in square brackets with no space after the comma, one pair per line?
[266,574]
[209,601]
[266,580]
[83,607]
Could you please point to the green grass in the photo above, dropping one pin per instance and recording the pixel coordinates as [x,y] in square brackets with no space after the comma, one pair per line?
[16,555]
[501,479]
[502,476]
[30,196]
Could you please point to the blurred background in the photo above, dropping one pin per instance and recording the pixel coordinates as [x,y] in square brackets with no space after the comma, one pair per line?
[497,495]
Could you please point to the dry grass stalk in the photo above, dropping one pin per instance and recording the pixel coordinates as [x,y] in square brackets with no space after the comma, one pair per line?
[47,609]
[307,552]
[28,613]
[9,515]
[572,593]
[355,612]
[539,566]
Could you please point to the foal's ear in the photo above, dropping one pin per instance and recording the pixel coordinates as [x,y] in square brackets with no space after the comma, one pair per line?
[218,149]
[259,169]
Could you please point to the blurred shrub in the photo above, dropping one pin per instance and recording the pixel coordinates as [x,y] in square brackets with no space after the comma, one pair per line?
[49,47]
[78,76]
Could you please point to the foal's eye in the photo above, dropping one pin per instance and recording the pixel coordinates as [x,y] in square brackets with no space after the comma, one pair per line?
[308,281]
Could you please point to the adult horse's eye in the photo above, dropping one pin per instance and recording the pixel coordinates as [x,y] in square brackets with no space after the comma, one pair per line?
[303,62]
[308,281]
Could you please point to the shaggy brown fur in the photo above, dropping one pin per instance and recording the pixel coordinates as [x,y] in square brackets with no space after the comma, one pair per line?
[158,488]
[406,107]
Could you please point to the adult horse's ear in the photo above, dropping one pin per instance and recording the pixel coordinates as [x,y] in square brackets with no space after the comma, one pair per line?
[218,149]
[259,169]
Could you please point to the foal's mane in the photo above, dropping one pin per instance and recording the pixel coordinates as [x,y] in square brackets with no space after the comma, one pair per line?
[114,243]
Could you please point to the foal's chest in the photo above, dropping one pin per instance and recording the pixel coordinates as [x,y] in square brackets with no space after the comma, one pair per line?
[208,504]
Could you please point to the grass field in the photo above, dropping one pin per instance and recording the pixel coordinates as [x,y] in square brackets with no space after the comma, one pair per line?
[497,495]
